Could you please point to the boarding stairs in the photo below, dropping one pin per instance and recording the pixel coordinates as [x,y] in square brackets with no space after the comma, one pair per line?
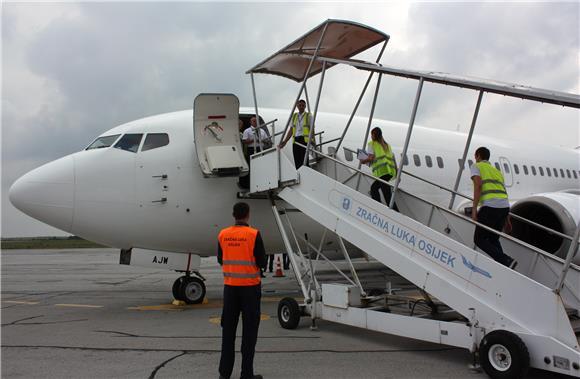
[431,247]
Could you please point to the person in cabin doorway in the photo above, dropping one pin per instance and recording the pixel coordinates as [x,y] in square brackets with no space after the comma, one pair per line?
[489,192]
[253,139]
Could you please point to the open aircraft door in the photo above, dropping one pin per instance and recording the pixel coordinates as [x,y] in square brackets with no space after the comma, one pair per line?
[217,136]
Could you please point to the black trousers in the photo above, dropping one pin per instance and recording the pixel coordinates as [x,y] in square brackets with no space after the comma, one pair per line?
[299,152]
[385,189]
[244,300]
[487,241]
[270,261]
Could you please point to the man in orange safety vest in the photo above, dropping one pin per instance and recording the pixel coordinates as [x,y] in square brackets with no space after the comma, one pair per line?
[242,256]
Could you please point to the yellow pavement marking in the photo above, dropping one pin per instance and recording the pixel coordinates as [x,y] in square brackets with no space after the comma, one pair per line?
[178,305]
[79,305]
[162,307]
[21,302]
[217,319]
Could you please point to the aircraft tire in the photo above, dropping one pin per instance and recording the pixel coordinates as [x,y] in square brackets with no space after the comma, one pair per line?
[176,288]
[288,313]
[192,290]
[504,355]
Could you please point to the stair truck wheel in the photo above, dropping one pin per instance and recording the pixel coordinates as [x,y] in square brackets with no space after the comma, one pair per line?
[175,290]
[192,290]
[504,355]
[288,313]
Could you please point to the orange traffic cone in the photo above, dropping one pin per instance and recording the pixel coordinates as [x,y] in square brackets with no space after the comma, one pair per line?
[279,273]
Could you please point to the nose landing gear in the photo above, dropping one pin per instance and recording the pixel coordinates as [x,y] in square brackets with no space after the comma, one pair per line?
[190,289]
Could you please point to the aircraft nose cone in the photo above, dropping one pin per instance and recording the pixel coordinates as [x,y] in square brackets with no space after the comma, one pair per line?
[47,193]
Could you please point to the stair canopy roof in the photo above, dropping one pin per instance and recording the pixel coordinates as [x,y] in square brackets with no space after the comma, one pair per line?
[342,40]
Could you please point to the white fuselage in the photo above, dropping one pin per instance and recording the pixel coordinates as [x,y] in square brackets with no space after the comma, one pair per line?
[113,196]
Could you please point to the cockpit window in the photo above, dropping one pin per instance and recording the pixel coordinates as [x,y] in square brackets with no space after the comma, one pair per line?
[129,142]
[155,140]
[103,142]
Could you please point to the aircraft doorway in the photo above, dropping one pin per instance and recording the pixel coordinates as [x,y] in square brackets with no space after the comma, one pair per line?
[253,147]
[507,171]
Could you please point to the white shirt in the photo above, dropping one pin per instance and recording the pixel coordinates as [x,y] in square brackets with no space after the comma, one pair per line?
[250,132]
[299,122]
[492,203]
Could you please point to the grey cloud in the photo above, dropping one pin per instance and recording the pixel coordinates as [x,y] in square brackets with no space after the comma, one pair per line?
[492,41]
[121,61]
[493,32]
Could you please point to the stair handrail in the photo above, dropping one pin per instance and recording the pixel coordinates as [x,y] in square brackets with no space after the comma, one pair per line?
[517,217]
[457,214]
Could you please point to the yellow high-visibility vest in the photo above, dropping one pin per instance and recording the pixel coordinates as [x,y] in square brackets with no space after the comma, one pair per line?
[384,162]
[305,126]
[492,183]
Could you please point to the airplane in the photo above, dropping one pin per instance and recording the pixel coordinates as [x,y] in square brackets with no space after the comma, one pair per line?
[162,187]
[146,187]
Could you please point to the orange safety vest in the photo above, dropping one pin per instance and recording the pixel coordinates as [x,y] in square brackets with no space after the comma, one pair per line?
[238,261]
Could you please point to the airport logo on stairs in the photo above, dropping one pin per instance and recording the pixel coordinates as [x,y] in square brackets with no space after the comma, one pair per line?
[474,268]
[346,202]
[402,234]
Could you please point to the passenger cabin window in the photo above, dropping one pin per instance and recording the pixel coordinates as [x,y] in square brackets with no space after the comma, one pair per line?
[568,172]
[440,162]
[516,169]
[417,160]
[497,166]
[574,172]
[405,160]
[470,162]
[129,142]
[428,161]
[103,142]
[556,172]
[525,169]
[155,140]
[506,167]
[562,173]
[548,171]
[534,170]
[541,170]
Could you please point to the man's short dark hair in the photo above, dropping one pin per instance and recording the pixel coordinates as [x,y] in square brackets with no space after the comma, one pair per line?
[302,101]
[483,153]
[241,210]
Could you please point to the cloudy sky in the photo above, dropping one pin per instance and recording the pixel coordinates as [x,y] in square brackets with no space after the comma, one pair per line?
[71,71]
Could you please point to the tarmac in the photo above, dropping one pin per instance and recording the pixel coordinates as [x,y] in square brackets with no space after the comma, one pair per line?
[79,314]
